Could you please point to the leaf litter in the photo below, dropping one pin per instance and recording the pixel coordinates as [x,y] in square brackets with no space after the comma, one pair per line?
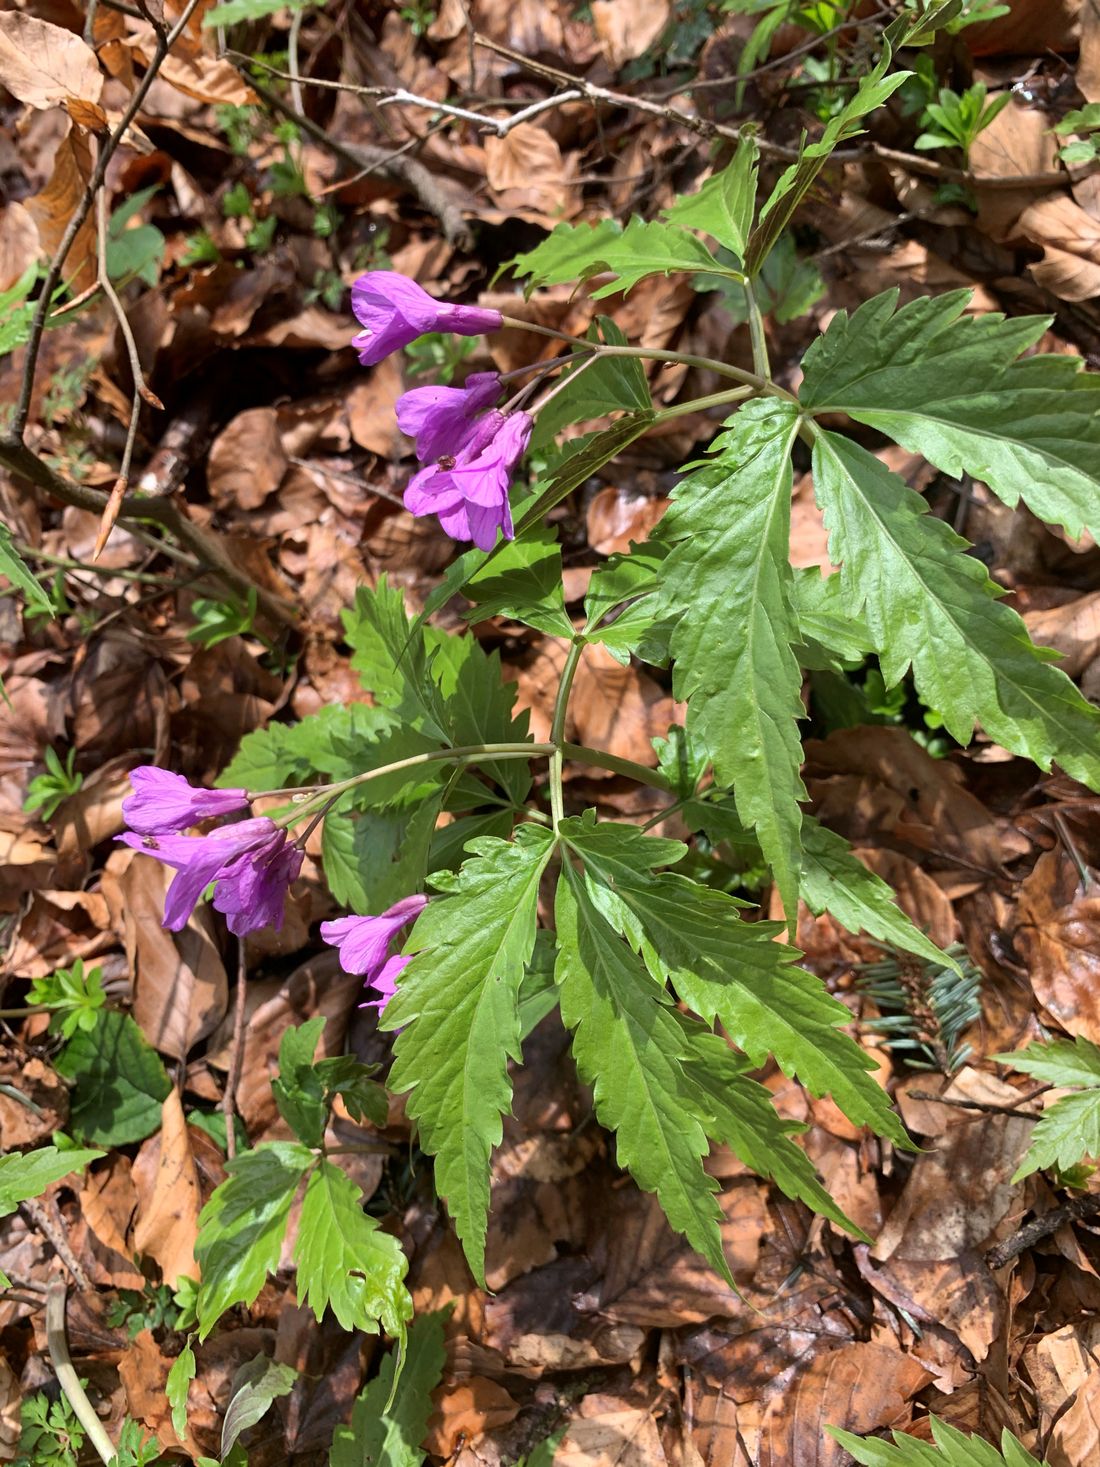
[602,1338]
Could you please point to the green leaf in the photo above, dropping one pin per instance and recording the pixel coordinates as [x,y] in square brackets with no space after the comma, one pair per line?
[933,608]
[725,968]
[26,1174]
[581,459]
[329,744]
[787,286]
[630,254]
[457,1009]
[297,1090]
[120,1081]
[742,1115]
[524,583]
[235,11]
[952,1449]
[388,1425]
[797,180]
[729,526]
[19,574]
[1068,1131]
[631,1048]
[177,1386]
[1059,1062]
[391,657]
[477,705]
[134,251]
[255,1386]
[449,843]
[346,1263]
[638,627]
[833,880]
[241,1228]
[373,858]
[723,207]
[611,384]
[948,386]
[831,634]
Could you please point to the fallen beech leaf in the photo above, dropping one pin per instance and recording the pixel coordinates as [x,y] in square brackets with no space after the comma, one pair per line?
[527,173]
[860,1386]
[247,462]
[618,516]
[626,28]
[43,64]
[1070,239]
[143,1370]
[1072,629]
[18,244]
[611,1433]
[169,1196]
[206,80]
[107,1204]
[1075,1440]
[466,1411]
[53,207]
[1058,937]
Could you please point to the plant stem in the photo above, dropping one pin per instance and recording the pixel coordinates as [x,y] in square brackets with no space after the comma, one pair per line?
[756,332]
[466,753]
[563,383]
[699,404]
[557,729]
[652,777]
[67,1378]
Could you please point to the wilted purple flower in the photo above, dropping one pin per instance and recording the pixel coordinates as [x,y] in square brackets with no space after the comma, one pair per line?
[163,802]
[394,310]
[251,862]
[469,490]
[364,945]
[444,419]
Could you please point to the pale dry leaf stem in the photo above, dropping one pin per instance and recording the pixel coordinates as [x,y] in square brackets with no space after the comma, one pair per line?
[67,1377]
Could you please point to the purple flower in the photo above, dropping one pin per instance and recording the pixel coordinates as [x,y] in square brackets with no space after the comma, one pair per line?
[469,490]
[251,861]
[164,802]
[364,945]
[443,419]
[395,310]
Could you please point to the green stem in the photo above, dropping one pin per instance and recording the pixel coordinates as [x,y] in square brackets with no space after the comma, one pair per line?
[557,729]
[756,332]
[38,1008]
[700,404]
[466,753]
[652,777]
[563,383]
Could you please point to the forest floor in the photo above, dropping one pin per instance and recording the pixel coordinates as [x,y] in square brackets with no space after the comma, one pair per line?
[242,207]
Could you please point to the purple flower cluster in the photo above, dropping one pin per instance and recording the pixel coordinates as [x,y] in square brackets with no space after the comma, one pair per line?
[468,447]
[364,946]
[252,861]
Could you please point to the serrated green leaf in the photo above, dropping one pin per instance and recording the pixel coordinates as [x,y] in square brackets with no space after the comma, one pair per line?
[1059,1062]
[296,1088]
[382,1434]
[948,386]
[630,1047]
[241,1228]
[450,841]
[477,705]
[833,880]
[729,526]
[723,207]
[330,744]
[235,11]
[391,657]
[14,568]
[177,1386]
[373,858]
[346,1263]
[26,1174]
[120,1081]
[787,286]
[255,1386]
[742,1115]
[796,181]
[827,624]
[725,968]
[637,628]
[580,460]
[952,1449]
[524,582]
[1068,1131]
[933,608]
[608,385]
[456,1006]
[629,254]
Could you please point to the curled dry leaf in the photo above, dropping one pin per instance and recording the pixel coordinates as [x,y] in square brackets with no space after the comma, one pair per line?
[528,175]
[53,207]
[1075,1440]
[43,64]
[1058,937]
[1072,628]
[609,1432]
[1070,239]
[169,1198]
[466,1411]
[206,80]
[626,28]
[247,461]
[18,243]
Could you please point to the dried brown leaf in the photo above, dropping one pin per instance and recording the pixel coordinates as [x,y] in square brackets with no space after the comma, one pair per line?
[626,28]
[169,1196]
[1058,937]
[609,1432]
[18,244]
[53,207]
[43,64]
[247,461]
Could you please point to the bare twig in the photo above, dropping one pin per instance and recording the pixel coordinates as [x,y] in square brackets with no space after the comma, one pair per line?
[141,390]
[67,1377]
[1076,1209]
[703,127]
[236,1055]
[54,1233]
[165,40]
[206,547]
[988,1107]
